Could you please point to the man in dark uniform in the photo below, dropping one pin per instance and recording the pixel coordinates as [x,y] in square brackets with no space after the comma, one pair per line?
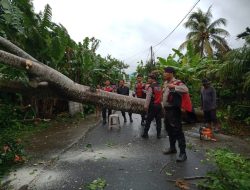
[107,88]
[124,90]
[208,104]
[153,106]
[172,99]
[139,92]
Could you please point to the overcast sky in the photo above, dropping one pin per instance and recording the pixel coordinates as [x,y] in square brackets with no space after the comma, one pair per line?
[127,28]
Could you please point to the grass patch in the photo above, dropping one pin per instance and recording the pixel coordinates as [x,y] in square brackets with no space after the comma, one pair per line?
[97,184]
[233,172]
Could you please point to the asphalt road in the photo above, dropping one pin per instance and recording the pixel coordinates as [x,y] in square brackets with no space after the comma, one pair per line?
[122,159]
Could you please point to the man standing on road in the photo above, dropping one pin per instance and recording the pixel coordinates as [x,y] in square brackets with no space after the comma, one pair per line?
[139,93]
[208,104]
[172,99]
[153,106]
[107,88]
[124,90]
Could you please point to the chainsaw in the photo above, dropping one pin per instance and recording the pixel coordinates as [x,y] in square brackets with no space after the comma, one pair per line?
[206,134]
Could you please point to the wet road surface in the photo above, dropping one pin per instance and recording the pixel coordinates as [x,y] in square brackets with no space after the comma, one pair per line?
[122,158]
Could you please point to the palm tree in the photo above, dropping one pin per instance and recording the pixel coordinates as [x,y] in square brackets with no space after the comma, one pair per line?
[236,67]
[204,34]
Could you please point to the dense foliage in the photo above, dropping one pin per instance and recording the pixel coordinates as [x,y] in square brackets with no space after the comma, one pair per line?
[233,172]
[51,44]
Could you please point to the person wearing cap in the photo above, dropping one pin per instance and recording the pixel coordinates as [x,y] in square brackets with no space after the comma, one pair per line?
[153,106]
[208,104]
[172,99]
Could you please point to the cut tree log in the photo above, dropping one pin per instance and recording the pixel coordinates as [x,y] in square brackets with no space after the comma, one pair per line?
[61,86]
[71,90]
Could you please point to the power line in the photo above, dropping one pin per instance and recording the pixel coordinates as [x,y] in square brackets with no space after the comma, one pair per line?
[176,26]
[148,55]
[140,52]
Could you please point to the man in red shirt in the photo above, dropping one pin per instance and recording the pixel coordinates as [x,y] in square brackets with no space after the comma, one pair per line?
[107,88]
[139,92]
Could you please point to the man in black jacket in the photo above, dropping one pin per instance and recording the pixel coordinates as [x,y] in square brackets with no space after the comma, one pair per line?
[124,90]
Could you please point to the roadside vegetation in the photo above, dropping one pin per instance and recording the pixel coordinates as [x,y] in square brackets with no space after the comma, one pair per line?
[50,43]
[233,171]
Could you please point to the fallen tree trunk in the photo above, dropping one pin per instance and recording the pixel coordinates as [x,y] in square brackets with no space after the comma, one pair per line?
[27,90]
[15,49]
[71,90]
[61,86]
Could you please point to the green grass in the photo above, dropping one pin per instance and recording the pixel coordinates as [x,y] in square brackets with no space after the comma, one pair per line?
[232,171]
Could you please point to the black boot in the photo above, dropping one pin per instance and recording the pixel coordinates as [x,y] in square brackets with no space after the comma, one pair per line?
[170,151]
[131,120]
[125,119]
[104,122]
[145,135]
[143,123]
[182,157]
[158,136]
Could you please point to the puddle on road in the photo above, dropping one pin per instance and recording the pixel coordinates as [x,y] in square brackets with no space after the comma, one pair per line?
[23,176]
[48,179]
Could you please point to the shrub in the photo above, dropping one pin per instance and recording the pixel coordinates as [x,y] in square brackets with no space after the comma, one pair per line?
[233,172]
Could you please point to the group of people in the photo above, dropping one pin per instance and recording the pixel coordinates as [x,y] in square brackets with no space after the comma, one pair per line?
[123,90]
[168,100]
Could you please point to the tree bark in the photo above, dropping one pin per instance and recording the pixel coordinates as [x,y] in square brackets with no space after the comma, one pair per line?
[62,87]
[15,49]
[71,90]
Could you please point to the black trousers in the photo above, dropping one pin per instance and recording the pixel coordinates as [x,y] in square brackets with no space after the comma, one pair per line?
[154,112]
[124,114]
[174,128]
[143,116]
[104,113]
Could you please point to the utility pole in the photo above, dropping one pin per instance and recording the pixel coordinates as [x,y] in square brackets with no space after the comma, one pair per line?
[152,59]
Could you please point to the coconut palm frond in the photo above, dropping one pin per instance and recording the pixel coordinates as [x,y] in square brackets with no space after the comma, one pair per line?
[219,31]
[208,16]
[193,25]
[183,45]
[218,22]
[192,34]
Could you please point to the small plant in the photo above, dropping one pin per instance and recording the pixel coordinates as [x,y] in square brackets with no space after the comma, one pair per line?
[110,144]
[11,154]
[97,184]
[233,172]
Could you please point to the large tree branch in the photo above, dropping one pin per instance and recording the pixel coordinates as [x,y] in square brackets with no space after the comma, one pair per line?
[34,82]
[24,89]
[70,89]
[15,49]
